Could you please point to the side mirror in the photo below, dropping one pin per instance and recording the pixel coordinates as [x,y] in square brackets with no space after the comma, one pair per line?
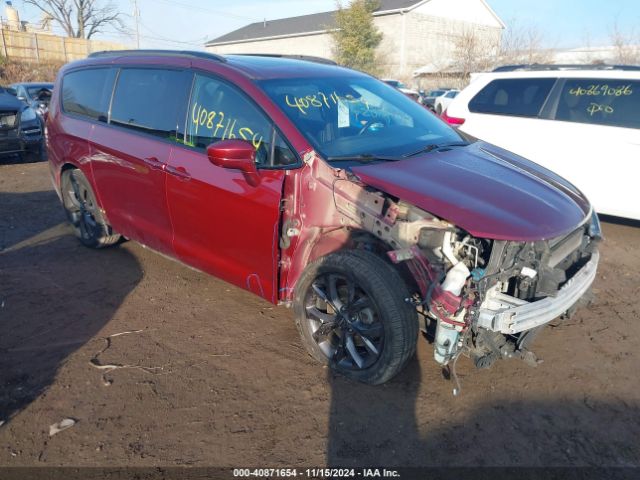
[236,155]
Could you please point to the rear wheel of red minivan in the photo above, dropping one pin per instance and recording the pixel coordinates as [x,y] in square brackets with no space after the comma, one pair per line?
[83,211]
[352,314]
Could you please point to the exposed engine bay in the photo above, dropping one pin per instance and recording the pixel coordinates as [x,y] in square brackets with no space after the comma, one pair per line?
[487,298]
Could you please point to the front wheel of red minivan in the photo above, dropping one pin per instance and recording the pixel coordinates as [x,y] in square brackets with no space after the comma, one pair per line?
[83,211]
[352,314]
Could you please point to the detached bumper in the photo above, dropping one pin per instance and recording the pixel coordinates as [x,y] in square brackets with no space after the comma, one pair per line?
[509,315]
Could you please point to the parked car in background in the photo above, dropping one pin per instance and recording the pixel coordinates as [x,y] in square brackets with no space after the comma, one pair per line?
[443,101]
[429,99]
[36,95]
[582,122]
[20,128]
[409,92]
[321,188]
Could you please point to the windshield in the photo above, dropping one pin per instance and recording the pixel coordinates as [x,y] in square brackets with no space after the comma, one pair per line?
[354,116]
[436,93]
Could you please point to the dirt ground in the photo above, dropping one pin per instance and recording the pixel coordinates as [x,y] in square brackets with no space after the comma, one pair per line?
[214,376]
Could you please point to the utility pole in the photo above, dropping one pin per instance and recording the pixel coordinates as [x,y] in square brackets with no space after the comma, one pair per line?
[136,19]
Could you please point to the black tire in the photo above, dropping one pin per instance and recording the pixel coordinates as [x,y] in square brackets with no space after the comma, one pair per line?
[371,296]
[83,211]
[439,110]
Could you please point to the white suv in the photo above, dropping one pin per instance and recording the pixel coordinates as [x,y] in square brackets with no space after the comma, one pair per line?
[443,101]
[581,122]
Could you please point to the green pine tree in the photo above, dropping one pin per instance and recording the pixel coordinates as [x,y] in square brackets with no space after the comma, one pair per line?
[356,37]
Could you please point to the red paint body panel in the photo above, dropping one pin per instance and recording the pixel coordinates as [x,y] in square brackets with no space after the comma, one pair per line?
[224,226]
[130,182]
[68,143]
[485,190]
[210,218]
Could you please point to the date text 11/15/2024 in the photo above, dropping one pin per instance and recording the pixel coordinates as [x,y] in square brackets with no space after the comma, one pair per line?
[315,473]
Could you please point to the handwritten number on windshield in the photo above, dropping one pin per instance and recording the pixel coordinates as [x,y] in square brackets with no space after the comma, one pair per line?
[318,100]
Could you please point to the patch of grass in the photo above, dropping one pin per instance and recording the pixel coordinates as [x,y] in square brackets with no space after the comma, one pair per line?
[13,71]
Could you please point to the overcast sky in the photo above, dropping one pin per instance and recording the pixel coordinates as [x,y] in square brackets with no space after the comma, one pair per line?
[188,23]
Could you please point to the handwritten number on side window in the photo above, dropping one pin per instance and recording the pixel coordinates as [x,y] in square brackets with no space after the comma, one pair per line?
[217,121]
[604,90]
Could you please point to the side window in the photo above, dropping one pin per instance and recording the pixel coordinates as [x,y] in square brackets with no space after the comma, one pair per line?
[218,111]
[600,102]
[88,92]
[151,101]
[282,154]
[523,97]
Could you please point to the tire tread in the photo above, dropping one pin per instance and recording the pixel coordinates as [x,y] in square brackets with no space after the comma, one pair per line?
[109,236]
[390,296]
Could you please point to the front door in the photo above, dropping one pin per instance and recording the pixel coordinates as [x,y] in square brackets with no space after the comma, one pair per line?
[222,224]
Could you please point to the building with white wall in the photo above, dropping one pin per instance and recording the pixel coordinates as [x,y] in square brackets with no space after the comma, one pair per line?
[415,33]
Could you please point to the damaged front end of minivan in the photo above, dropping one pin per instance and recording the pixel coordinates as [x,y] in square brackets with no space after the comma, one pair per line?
[490,298]
[486,269]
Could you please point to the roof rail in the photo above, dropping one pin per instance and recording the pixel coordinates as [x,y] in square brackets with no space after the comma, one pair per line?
[544,67]
[167,53]
[306,58]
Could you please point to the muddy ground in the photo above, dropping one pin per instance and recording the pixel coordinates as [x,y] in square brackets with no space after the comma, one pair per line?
[214,376]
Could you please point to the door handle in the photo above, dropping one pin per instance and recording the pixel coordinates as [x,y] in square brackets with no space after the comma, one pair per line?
[153,163]
[179,172]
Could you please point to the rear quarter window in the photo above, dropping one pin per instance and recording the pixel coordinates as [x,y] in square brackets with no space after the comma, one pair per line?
[600,102]
[522,97]
[88,92]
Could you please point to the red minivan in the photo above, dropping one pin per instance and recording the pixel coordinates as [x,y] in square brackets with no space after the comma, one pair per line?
[322,188]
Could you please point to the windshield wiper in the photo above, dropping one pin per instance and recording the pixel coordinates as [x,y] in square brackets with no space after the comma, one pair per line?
[365,157]
[435,146]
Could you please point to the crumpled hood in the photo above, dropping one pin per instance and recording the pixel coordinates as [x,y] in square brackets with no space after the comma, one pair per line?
[488,191]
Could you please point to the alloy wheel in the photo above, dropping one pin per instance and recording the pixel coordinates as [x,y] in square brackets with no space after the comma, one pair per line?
[344,321]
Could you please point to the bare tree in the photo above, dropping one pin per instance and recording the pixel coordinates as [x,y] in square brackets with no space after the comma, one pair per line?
[473,52]
[81,18]
[524,44]
[589,56]
[477,51]
[626,45]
